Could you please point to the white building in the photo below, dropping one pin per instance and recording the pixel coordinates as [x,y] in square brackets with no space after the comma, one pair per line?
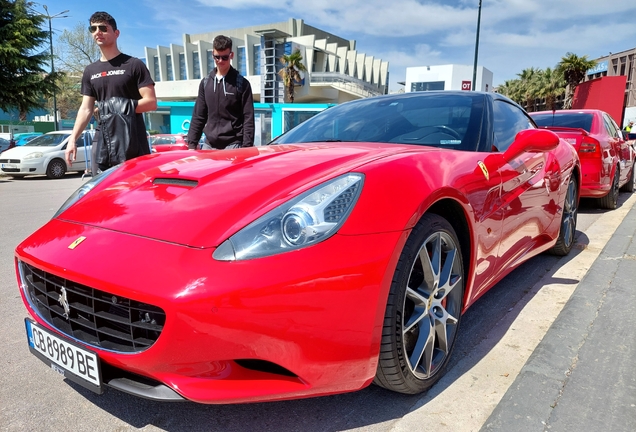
[336,71]
[447,77]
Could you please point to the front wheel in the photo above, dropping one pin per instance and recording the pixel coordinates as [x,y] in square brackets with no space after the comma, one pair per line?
[423,310]
[56,169]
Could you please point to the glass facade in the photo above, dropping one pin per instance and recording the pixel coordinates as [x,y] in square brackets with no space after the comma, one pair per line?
[182,67]
[241,61]
[257,60]
[169,67]
[210,60]
[156,69]
[196,65]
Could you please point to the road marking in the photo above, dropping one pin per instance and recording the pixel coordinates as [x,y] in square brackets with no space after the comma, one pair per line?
[463,402]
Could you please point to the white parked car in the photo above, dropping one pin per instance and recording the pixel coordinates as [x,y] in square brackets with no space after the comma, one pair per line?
[45,155]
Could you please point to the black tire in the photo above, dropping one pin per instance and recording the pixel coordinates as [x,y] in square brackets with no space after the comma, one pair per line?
[610,201]
[423,310]
[629,186]
[564,244]
[56,169]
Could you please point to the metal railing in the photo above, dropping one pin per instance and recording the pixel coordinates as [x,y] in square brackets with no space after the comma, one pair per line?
[347,83]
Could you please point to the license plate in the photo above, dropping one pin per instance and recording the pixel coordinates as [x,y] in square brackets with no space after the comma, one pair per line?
[67,358]
[9,165]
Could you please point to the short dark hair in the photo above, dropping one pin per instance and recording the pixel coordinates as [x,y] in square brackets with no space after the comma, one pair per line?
[103,17]
[221,43]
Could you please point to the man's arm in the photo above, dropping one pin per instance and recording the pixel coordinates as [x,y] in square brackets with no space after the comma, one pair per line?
[148,101]
[248,117]
[84,115]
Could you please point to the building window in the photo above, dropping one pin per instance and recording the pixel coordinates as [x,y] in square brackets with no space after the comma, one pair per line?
[169,67]
[293,118]
[210,60]
[241,61]
[257,60]
[182,67]
[263,127]
[196,65]
[427,86]
[156,69]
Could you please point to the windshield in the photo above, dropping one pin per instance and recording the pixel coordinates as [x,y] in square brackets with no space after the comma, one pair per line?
[420,118]
[571,120]
[48,140]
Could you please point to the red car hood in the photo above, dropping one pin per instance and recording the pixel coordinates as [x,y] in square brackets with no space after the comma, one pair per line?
[199,199]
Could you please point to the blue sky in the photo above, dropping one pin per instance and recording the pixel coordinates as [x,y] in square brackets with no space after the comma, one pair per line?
[514,35]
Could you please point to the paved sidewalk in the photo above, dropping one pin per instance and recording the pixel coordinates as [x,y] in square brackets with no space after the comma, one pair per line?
[582,376]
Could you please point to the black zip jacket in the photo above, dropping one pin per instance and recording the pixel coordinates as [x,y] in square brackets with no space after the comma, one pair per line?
[224,111]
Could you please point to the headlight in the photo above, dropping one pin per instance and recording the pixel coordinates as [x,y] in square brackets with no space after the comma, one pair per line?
[34,155]
[84,189]
[306,220]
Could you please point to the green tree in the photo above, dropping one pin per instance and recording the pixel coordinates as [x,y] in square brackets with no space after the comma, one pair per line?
[551,85]
[573,68]
[292,66]
[24,82]
[512,89]
[76,49]
[529,87]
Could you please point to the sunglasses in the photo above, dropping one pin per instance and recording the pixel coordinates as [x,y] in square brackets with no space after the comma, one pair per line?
[221,57]
[102,28]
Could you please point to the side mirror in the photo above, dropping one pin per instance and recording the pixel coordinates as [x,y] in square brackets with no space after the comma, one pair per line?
[533,141]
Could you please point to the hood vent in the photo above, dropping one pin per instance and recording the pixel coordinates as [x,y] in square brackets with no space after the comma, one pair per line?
[176,182]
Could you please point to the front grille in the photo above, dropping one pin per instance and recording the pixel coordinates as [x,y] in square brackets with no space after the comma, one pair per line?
[11,170]
[9,160]
[94,317]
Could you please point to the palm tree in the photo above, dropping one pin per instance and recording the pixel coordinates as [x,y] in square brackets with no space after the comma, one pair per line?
[292,66]
[529,87]
[551,85]
[512,89]
[574,69]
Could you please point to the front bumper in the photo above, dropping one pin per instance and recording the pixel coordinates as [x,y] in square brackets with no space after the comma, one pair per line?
[299,324]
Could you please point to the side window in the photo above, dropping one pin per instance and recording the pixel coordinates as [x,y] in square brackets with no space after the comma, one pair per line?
[509,120]
[611,127]
[80,141]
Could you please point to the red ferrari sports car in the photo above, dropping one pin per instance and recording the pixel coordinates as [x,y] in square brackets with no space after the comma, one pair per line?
[607,160]
[342,254]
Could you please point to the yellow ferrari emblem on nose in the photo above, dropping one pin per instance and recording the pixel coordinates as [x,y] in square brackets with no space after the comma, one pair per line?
[76,242]
[484,169]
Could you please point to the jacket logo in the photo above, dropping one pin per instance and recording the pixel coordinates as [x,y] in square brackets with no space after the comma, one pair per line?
[76,242]
[64,303]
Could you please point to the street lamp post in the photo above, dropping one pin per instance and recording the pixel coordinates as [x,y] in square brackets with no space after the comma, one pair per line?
[50,17]
[476,46]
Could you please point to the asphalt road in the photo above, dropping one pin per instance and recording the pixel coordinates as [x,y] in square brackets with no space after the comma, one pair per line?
[35,398]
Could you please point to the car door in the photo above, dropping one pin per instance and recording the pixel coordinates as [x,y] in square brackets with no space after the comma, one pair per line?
[621,147]
[530,183]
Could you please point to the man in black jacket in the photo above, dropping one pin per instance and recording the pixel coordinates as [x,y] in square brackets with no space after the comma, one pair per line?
[224,109]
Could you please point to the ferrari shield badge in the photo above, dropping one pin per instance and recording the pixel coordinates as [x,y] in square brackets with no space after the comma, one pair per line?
[484,169]
[79,240]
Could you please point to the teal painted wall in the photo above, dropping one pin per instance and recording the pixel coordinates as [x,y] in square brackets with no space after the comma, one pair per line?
[181,113]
